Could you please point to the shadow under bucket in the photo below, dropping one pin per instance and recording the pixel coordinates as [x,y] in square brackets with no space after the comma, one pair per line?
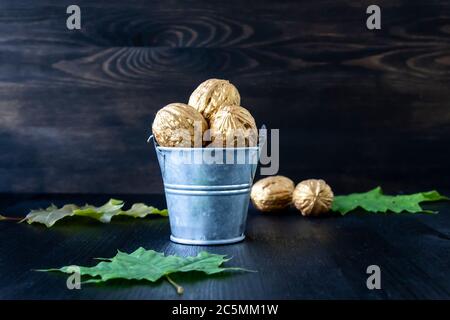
[207,192]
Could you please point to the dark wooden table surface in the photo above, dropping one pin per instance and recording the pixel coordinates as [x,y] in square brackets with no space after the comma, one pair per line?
[296,258]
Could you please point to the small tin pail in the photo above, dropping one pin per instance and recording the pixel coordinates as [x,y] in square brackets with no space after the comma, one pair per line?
[207,192]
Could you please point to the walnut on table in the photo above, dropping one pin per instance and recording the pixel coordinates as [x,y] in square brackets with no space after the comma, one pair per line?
[272,193]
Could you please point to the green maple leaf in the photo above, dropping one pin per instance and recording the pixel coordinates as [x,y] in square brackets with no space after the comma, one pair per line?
[375,201]
[50,215]
[149,265]
[141,210]
[104,213]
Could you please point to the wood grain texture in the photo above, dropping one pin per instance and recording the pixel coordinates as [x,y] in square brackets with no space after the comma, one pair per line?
[296,257]
[355,107]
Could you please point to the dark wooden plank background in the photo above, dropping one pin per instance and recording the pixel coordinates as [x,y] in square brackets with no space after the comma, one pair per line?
[356,107]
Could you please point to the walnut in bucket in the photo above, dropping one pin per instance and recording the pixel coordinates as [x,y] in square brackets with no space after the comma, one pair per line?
[179,125]
[212,94]
[233,126]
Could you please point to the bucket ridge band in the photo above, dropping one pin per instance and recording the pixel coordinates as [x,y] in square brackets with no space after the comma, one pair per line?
[207,190]
[207,187]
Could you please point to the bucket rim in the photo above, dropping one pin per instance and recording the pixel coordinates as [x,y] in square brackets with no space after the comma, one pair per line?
[204,149]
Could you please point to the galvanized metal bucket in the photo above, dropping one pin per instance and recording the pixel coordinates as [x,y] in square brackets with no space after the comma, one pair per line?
[207,196]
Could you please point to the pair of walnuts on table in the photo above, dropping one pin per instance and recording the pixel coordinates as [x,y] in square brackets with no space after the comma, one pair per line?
[312,197]
[213,117]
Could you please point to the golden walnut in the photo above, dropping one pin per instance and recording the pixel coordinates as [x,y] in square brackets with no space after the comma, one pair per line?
[233,126]
[272,193]
[179,125]
[212,94]
[313,197]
